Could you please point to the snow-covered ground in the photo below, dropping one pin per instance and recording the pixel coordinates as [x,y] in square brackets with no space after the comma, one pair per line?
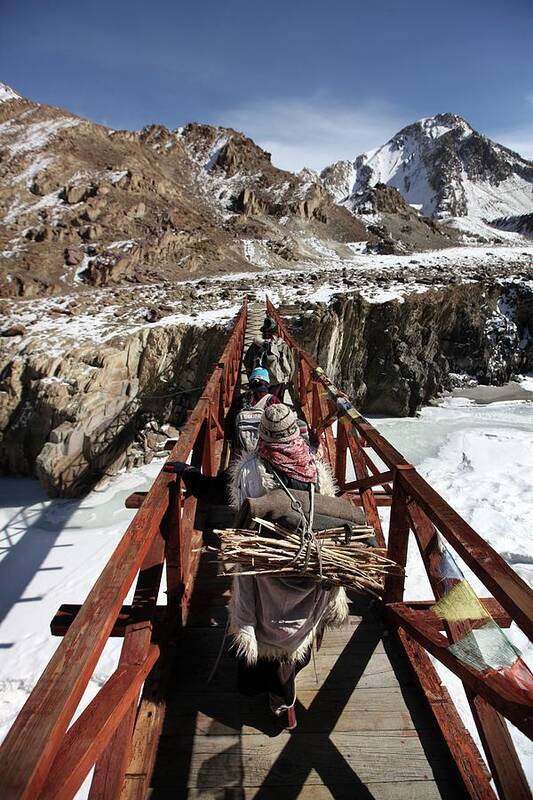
[101,315]
[480,457]
[51,553]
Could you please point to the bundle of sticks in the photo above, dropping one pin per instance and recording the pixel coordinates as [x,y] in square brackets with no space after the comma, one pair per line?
[333,557]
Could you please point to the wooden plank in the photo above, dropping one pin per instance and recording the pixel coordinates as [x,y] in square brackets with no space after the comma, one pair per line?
[397,543]
[371,466]
[361,471]
[501,754]
[380,498]
[340,462]
[462,748]
[308,759]
[192,672]
[379,479]
[135,500]
[89,735]
[226,713]
[147,730]
[128,615]
[206,640]
[321,412]
[406,790]
[173,545]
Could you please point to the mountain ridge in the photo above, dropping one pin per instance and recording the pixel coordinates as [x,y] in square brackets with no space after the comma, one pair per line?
[81,203]
[443,167]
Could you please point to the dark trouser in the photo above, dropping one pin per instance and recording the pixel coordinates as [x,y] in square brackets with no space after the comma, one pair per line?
[272,676]
[278,390]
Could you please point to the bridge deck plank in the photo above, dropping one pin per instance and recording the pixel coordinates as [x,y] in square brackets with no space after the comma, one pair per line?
[362,722]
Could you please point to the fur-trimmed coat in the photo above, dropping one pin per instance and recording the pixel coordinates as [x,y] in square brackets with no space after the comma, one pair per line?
[272,617]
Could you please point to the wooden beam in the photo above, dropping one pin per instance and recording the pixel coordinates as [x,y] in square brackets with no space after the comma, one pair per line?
[135,500]
[397,543]
[380,498]
[89,735]
[380,479]
[148,726]
[513,702]
[462,748]
[361,471]
[110,768]
[67,613]
[498,614]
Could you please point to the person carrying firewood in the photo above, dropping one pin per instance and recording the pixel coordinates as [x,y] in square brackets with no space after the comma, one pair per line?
[275,620]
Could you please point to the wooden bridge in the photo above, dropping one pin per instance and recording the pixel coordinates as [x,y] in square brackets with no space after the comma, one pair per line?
[375,721]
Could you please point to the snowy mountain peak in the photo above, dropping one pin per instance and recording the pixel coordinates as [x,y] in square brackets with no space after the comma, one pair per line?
[440,124]
[442,167]
[7,93]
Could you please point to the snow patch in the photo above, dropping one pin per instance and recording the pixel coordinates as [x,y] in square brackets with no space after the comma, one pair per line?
[7,93]
[38,165]
[24,138]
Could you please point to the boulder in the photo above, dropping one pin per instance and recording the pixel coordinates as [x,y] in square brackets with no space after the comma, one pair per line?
[73,256]
[13,330]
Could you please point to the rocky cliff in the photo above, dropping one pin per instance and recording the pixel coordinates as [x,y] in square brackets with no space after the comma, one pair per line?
[72,418]
[75,414]
[393,357]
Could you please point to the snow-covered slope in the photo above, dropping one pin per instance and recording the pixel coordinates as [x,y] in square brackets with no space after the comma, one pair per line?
[7,93]
[444,168]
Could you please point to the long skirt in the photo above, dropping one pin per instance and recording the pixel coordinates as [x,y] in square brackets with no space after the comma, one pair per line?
[274,676]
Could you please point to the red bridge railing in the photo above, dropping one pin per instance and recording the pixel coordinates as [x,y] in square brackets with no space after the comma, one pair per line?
[42,756]
[445,630]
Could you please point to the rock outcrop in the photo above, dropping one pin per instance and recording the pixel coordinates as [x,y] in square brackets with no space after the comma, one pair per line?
[392,357]
[72,418]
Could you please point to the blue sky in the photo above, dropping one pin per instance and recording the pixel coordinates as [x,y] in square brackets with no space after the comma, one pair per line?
[311,81]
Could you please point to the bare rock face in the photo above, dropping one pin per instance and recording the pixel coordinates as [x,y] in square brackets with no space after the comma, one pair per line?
[71,419]
[393,357]
[397,226]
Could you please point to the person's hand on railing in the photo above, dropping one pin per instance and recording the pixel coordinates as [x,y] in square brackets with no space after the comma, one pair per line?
[178,467]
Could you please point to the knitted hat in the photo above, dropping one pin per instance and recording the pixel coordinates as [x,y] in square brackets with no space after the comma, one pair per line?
[279,424]
[269,326]
[259,374]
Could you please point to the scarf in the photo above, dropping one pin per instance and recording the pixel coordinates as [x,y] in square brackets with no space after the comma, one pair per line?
[292,458]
